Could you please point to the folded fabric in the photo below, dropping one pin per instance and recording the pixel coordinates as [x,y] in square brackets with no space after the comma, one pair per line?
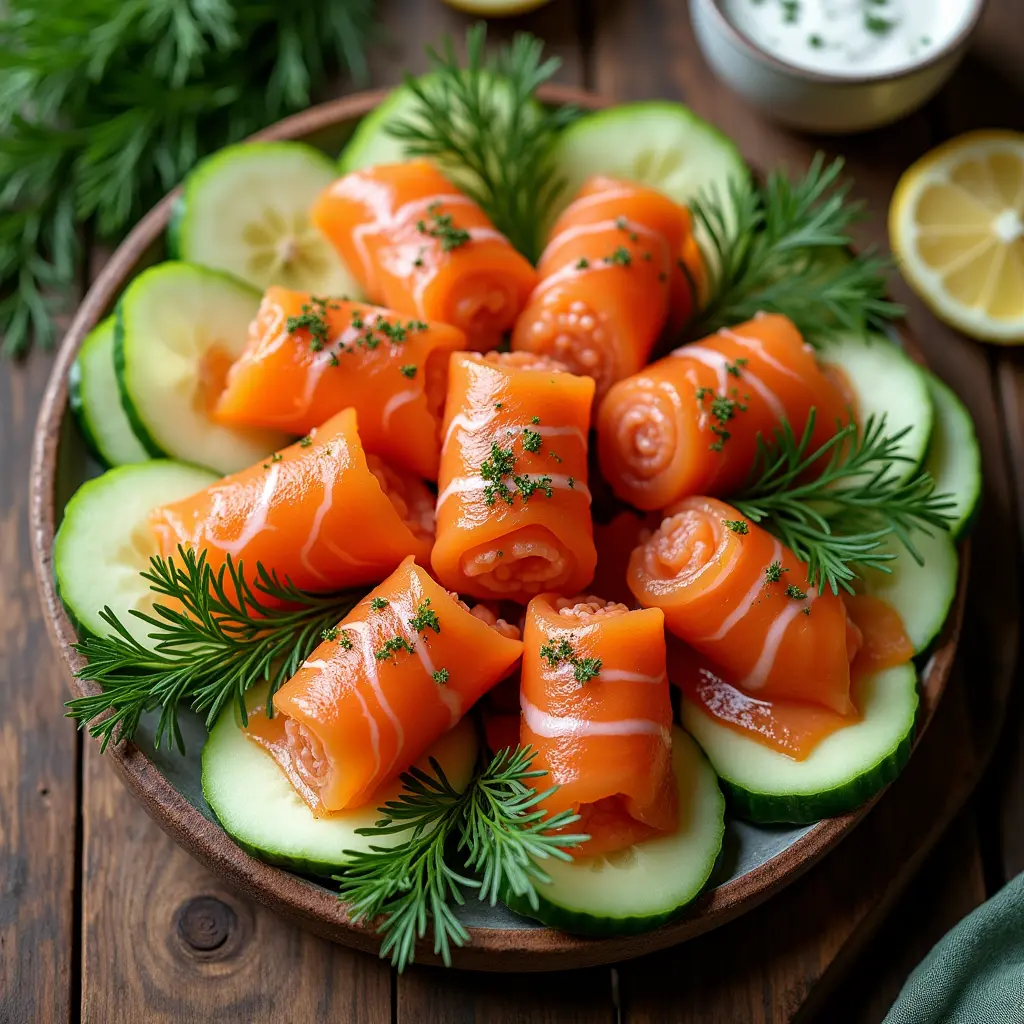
[975,975]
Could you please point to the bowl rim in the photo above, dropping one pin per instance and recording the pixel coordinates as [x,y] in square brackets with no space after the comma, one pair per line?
[743,41]
[294,897]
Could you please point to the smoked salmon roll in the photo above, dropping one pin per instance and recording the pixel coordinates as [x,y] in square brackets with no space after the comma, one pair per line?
[394,675]
[416,244]
[308,358]
[596,709]
[611,277]
[513,507]
[735,594]
[689,423]
[321,513]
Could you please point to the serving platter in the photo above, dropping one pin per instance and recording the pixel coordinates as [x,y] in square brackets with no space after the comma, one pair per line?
[756,860]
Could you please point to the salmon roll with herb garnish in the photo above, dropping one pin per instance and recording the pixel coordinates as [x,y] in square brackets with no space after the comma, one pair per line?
[419,246]
[393,676]
[596,708]
[689,423]
[513,507]
[321,513]
[612,276]
[308,358]
[737,595]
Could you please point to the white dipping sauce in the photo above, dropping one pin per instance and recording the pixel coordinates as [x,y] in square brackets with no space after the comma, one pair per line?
[850,37]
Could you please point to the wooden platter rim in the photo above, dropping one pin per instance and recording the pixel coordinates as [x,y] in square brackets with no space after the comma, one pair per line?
[537,949]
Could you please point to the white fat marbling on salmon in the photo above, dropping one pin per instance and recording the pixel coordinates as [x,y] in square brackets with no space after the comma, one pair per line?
[746,603]
[469,484]
[553,727]
[256,521]
[275,332]
[317,663]
[471,424]
[718,362]
[369,659]
[758,675]
[395,402]
[757,346]
[621,675]
[328,477]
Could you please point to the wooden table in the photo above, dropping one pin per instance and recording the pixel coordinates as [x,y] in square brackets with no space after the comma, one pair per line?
[103,919]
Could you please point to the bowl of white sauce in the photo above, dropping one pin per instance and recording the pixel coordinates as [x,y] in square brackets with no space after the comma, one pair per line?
[835,65]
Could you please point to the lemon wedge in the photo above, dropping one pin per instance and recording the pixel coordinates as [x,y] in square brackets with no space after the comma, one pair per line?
[956,225]
[495,8]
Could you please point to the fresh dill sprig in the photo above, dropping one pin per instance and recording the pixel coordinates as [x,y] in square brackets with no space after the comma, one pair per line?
[482,124]
[106,105]
[838,519]
[488,838]
[781,248]
[218,635]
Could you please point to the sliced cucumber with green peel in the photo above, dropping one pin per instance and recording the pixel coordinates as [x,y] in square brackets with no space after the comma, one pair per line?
[261,810]
[638,888]
[104,541]
[954,458]
[885,381]
[663,145]
[95,399]
[179,328]
[844,770]
[921,593]
[245,210]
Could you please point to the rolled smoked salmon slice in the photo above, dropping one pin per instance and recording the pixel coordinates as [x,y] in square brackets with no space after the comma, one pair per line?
[321,513]
[308,358]
[394,675]
[596,709]
[689,423]
[513,507]
[735,594]
[418,245]
[611,277]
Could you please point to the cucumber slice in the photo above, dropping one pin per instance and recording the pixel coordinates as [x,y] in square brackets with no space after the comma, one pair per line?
[245,210]
[842,772]
[885,380]
[179,327]
[922,594]
[261,811]
[660,144]
[104,541]
[954,458]
[95,400]
[645,885]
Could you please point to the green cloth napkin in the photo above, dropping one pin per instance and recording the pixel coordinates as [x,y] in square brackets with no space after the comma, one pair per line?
[975,975]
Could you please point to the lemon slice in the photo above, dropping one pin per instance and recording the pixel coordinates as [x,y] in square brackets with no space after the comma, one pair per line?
[495,8]
[956,224]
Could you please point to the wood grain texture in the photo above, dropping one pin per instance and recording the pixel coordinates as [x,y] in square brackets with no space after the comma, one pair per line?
[167,941]
[38,747]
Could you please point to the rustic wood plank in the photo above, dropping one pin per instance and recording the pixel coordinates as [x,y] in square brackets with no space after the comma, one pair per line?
[950,885]
[165,940]
[38,748]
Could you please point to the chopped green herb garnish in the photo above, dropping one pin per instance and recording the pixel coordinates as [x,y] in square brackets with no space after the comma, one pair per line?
[815,41]
[441,676]
[425,618]
[408,370]
[535,420]
[276,457]
[733,368]
[378,603]
[497,405]
[443,229]
[584,669]
[345,641]
[582,263]
[878,26]
[773,573]
[527,486]
[330,634]
[313,319]
[795,592]
[621,256]
[532,440]
[393,646]
[571,482]
[495,469]
[740,526]
[306,442]
[555,456]
[620,223]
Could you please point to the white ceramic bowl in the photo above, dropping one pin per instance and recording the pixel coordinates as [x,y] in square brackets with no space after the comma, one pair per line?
[815,101]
